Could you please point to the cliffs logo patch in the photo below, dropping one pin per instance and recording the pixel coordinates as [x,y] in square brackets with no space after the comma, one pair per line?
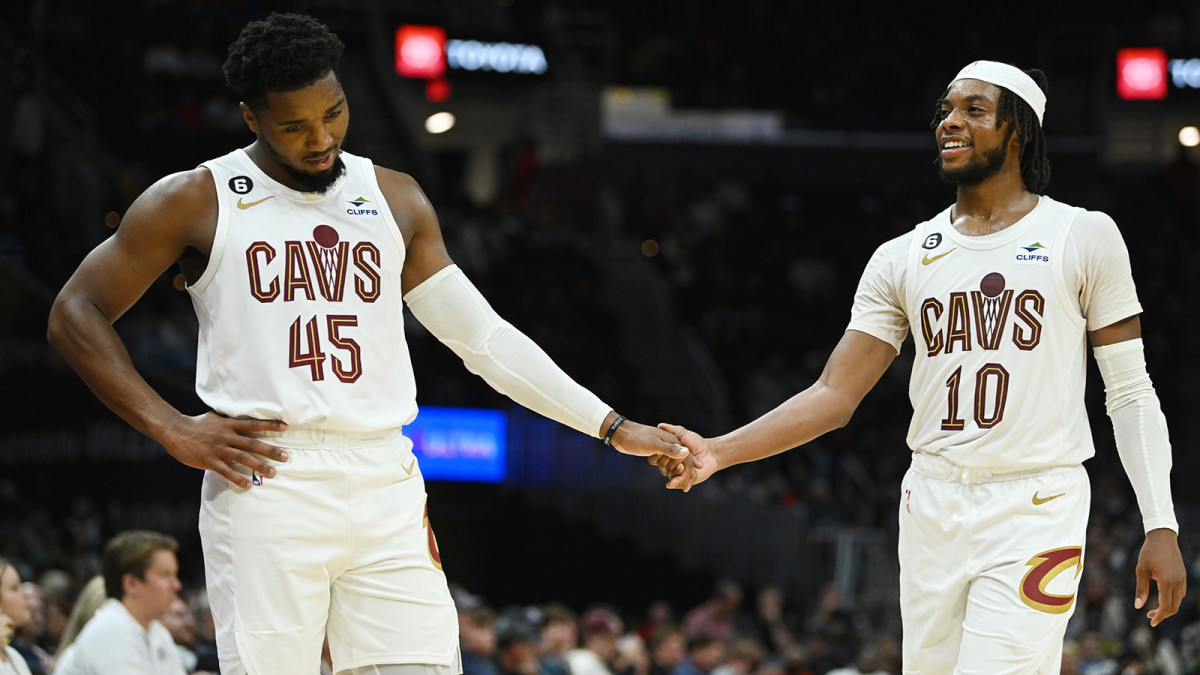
[1033,254]
[359,207]
[1044,569]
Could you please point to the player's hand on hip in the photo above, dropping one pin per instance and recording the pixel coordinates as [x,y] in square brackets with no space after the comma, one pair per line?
[1161,561]
[217,443]
[683,473]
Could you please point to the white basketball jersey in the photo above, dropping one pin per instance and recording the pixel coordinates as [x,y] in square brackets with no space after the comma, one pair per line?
[1000,327]
[300,308]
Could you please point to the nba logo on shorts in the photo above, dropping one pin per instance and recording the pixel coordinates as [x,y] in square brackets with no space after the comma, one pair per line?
[256,479]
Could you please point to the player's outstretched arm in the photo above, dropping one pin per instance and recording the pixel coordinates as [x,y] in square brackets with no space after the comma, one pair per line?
[157,229]
[855,365]
[441,297]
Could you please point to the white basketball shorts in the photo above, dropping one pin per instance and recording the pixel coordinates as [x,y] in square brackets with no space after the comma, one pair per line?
[339,540]
[989,566]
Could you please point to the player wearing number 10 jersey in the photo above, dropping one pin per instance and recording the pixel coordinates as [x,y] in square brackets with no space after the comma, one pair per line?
[1001,293]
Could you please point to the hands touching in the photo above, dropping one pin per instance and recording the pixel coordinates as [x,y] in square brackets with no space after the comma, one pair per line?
[220,444]
[640,440]
[668,447]
[691,469]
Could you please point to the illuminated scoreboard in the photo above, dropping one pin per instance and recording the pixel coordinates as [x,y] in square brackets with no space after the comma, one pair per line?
[460,444]
[425,52]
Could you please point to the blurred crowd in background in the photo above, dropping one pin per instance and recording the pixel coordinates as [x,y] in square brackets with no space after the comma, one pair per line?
[736,630]
[101,99]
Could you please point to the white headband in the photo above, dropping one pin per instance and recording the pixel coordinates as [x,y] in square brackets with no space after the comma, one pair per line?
[1009,77]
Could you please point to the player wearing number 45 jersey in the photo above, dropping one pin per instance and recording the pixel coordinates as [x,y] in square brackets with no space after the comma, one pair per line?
[1001,292]
[297,257]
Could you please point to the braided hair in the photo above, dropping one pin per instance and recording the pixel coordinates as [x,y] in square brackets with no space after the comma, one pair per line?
[283,52]
[1035,167]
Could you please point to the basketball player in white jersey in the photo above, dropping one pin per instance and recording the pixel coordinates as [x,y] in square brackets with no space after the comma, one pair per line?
[1001,292]
[297,255]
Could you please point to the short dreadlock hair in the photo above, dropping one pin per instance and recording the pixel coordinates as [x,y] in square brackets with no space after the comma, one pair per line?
[283,52]
[1035,167]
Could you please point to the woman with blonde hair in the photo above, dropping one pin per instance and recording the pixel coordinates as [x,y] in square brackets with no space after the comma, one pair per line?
[14,612]
[90,598]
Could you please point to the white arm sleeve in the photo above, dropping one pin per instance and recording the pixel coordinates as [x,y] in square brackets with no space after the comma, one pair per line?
[1140,429]
[457,314]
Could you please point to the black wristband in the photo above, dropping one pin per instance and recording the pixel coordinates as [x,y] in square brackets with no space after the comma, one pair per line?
[612,429]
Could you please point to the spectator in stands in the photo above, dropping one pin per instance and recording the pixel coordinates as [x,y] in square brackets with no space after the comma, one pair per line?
[517,639]
[10,659]
[632,656]
[13,613]
[1092,658]
[89,600]
[667,649]
[704,653]
[742,659]
[476,634]
[181,624]
[1070,658]
[716,617]
[560,633]
[599,629]
[879,657]
[206,633]
[125,636]
[14,606]
[774,627]
[659,614]
[31,635]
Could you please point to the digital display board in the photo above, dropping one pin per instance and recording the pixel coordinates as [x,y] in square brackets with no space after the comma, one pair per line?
[460,444]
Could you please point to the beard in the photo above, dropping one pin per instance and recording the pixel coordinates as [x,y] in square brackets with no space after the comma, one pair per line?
[305,181]
[975,173]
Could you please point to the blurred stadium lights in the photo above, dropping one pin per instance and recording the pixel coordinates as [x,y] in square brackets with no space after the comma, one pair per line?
[439,122]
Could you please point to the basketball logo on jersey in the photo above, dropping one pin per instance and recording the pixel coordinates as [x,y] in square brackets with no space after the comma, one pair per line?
[1044,569]
[1032,254]
[332,253]
[991,306]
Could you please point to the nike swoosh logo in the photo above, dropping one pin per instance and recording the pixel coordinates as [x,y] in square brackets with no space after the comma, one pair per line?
[1042,500]
[408,469]
[246,205]
[926,260]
